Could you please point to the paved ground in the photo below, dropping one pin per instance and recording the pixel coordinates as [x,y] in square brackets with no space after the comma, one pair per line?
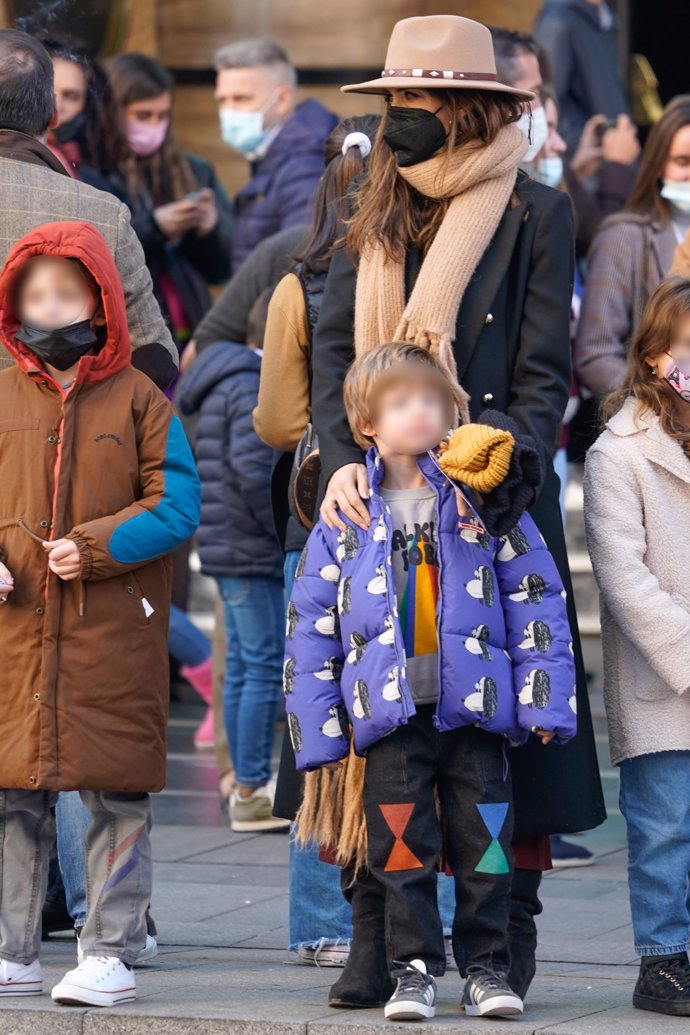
[221,906]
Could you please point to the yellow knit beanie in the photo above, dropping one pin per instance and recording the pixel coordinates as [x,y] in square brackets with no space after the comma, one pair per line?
[478,455]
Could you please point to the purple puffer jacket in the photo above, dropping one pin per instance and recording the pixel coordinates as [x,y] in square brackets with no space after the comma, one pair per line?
[505,654]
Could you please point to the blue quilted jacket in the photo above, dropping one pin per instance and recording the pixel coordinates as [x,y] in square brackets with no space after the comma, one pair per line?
[505,653]
[236,535]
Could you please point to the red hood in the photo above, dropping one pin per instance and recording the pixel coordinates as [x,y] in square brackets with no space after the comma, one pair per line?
[71,240]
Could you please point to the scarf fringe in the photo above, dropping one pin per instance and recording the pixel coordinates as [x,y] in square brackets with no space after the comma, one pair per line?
[332,814]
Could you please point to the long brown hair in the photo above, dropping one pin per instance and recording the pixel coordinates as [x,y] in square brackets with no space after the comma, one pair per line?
[328,206]
[166,175]
[669,304]
[645,198]
[391,212]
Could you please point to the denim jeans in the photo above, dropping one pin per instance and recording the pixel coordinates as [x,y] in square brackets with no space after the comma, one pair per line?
[254,614]
[467,768]
[186,643]
[73,819]
[289,570]
[118,870]
[655,800]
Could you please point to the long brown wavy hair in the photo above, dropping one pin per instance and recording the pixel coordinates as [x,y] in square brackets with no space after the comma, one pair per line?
[166,175]
[669,304]
[645,198]
[391,212]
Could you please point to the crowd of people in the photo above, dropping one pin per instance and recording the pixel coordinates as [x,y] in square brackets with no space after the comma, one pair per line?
[425,314]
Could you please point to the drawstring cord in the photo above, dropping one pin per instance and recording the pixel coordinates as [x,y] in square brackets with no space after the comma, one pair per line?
[39,539]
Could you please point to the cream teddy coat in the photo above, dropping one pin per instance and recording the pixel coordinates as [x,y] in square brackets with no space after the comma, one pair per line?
[637,518]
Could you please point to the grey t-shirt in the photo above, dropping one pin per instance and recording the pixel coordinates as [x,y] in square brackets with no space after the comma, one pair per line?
[416,575]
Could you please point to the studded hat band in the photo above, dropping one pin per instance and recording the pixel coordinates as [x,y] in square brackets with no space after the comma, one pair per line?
[436,73]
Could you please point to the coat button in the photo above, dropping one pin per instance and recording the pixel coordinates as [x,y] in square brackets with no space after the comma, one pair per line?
[39,610]
[488,398]
[52,439]
[130,589]
[43,524]
[37,697]
[489,318]
[32,779]
[44,384]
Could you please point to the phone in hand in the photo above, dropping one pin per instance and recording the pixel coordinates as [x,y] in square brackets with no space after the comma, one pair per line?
[604,127]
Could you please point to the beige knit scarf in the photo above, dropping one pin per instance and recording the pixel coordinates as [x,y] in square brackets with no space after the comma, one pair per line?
[479,178]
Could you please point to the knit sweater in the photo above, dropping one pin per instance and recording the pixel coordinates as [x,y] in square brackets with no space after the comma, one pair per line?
[637,487]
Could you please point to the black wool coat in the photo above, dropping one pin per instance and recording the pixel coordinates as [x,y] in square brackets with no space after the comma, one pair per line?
[512,349]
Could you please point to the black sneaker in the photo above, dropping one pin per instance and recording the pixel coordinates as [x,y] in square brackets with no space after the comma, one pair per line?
[664,986]
[414,998]
[488,994]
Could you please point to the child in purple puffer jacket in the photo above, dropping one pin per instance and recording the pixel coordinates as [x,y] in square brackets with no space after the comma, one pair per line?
[436,644]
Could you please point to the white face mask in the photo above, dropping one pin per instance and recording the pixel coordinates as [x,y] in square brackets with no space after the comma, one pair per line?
[677,193]
[550,170]
[539,131]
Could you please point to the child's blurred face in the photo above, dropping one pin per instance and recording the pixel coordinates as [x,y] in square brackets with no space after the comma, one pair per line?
[411,417]
[55,293]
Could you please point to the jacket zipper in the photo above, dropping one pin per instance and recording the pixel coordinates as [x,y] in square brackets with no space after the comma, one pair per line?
[393,610]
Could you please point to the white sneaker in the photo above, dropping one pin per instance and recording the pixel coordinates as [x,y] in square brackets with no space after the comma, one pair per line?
[20,978]
[148,953]
[98,981]
[255,813]
[325,953]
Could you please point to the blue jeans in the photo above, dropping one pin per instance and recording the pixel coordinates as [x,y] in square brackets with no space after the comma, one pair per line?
[73,818]
[186,643]
[289,569]
[254,615]
[655,800]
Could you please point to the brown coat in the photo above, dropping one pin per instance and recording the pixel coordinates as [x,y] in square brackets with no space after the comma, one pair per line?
[84,663]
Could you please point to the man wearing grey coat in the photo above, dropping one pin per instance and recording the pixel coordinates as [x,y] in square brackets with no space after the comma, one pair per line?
[35,188]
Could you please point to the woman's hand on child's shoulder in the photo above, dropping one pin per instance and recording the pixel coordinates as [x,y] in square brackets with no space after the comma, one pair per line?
[6,583]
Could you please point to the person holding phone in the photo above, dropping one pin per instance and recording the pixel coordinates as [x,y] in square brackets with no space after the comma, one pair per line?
[180,212]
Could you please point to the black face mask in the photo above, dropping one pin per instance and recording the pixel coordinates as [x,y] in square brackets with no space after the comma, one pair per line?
[73,129]
[413,134]
[63,347]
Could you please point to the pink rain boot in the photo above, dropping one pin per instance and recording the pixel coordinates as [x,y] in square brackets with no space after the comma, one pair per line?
[201,678]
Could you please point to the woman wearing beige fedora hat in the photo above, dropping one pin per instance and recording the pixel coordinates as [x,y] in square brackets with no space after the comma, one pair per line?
[449,246]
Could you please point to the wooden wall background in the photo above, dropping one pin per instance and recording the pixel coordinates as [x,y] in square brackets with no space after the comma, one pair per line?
[319,35]
[330,44]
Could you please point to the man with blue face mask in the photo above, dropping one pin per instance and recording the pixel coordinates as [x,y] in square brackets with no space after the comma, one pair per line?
[256,93]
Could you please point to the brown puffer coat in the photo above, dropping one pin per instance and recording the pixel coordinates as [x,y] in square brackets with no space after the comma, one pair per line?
[84,664]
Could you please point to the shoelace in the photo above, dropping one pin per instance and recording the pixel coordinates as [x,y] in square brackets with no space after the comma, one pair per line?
[674,970]
[410,980]
[488,979]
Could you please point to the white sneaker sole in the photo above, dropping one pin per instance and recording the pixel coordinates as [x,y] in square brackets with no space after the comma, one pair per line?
[497,1006]
[241,826]
[567,864]
[17,988]
[402,1010]
[76,995]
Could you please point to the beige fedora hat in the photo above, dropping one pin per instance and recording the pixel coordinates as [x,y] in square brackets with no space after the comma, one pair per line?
[439,50]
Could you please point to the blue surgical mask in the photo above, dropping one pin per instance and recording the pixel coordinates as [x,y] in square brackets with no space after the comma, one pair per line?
[244,130]
[550,170]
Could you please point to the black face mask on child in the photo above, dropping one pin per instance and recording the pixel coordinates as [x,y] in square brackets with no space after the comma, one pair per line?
[63,347]
[413,134]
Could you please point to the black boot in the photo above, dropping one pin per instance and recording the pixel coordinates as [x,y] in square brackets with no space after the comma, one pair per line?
[365,982]
[664,985]
[522,930]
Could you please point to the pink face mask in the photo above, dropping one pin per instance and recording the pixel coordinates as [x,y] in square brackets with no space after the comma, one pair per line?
[144,139]
[678,376]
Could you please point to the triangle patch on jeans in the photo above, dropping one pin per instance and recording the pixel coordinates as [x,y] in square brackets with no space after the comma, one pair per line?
[401,858]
